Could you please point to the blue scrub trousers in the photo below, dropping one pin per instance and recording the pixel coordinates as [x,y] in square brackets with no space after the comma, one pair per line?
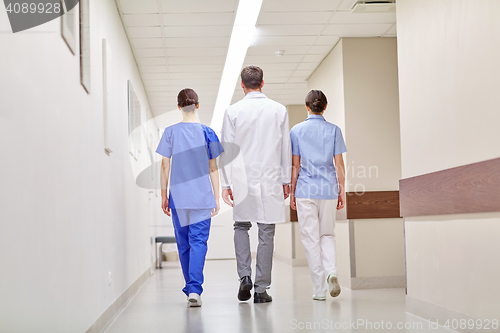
[192,245]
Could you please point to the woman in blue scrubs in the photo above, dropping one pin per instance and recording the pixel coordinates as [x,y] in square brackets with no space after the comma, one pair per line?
[189,151]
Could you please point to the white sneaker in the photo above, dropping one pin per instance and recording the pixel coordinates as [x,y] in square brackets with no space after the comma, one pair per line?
[319,297]
[333,285]
[194,300]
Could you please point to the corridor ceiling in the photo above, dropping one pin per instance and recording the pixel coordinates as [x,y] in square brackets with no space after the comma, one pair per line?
[183,43]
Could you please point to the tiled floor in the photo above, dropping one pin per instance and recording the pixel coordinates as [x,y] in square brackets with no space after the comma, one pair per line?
[160,306]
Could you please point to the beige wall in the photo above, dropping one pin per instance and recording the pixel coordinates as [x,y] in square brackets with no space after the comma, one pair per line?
[296,114]
[329,78]
[372,113]
[448,75]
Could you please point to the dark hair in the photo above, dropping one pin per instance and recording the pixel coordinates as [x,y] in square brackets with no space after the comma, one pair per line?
[252,77]
[316,101]
[187,97]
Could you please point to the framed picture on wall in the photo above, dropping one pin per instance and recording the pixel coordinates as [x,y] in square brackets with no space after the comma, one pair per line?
[69,27]
[134,122]
[85,45]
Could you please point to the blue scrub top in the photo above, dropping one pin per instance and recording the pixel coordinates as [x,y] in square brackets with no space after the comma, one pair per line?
[317,141]
[190,146]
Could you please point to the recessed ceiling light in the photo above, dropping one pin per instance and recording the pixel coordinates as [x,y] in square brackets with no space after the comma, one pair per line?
[241,38]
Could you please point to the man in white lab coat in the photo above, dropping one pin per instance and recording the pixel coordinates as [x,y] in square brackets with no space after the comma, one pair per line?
[257,137]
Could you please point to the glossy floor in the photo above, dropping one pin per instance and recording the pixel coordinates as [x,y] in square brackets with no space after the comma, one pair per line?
[160,306]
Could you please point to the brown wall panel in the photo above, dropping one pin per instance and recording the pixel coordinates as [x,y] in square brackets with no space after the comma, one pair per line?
[372,205]
[472,188]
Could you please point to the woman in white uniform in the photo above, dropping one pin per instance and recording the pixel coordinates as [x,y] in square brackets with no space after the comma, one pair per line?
[315,192]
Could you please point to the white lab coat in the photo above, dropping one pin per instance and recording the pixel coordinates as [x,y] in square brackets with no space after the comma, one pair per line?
[259,127]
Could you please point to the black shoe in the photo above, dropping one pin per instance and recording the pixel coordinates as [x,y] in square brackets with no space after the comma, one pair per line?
[245,287]
[262,297]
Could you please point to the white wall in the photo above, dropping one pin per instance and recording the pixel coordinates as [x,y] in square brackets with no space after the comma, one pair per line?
[70,213]
[449,80]
[448,75]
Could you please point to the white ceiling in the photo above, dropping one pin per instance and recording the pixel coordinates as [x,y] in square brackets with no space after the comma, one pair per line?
[183,43]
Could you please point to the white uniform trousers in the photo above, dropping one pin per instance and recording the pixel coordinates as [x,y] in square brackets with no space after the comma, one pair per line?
[317,225]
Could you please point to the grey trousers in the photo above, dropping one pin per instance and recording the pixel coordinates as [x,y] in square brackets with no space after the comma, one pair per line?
[264,253]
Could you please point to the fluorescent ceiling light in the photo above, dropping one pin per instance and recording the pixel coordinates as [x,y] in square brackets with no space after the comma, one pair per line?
[241,38]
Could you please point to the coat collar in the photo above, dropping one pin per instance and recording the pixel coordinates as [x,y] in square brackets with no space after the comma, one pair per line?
[255,94]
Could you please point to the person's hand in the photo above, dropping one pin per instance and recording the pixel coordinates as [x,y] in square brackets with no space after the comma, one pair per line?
[341,202]
[164,205]
[226,194]
[286,191]
[215,211]
[293,204]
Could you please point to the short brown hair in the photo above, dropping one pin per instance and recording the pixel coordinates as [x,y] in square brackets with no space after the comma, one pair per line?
[252,77]
[316,101]
[187,97]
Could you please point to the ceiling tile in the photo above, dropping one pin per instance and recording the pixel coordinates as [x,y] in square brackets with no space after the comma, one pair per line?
[149,83]
[198,31]
[288,30]
[313,58]
[153,69]
[277,67]
[193,51]
[270,50]
[155,76]
[203,82]
[282,41]
[326,40]
[159,94]
[143,20]
[273,59]
[197,19]
[195,68]
[300,5]
[364,18]
[144,32]
[356,30]
[139,7]
[139,43]
[200,60]
[308,65]
[274,80]
[320,49]
[196,75]
[294,18]
[272,74]
[297,80]
[196,6]
[347,4]
[197,41]
[302,73]
[157,88]
[152,61]
[156,52]
[392,31]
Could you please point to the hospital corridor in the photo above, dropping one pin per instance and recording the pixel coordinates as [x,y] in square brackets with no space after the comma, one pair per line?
[249,166]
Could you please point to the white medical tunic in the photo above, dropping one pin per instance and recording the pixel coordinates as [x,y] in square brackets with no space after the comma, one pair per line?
[257,159]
